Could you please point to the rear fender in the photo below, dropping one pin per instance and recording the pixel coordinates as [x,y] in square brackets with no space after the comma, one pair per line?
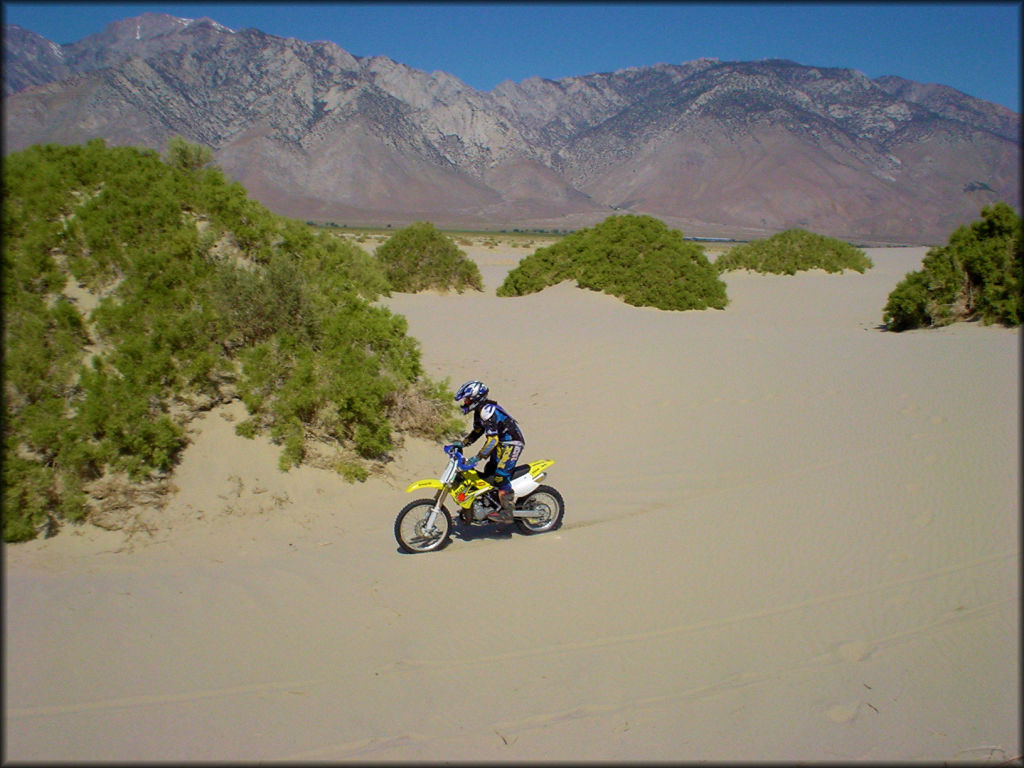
[537,467]
[528,483]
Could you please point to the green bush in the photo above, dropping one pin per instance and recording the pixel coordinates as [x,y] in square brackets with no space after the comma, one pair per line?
[793,251]
[418,258]
[978,275]
[257,305]
[184,156]
[636,258]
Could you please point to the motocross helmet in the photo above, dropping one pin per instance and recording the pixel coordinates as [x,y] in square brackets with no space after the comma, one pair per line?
[470,395]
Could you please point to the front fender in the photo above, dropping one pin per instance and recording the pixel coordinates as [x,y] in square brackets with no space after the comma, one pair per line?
[431,483]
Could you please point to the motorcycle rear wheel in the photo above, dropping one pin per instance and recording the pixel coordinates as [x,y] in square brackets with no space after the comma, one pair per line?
[549,507]
[411,534]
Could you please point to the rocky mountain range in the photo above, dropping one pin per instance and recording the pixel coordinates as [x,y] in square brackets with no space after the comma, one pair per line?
[717,149]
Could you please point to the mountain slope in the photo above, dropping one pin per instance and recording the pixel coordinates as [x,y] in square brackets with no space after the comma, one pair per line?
[737,148]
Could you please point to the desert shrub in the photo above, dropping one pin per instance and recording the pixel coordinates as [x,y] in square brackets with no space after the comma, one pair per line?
[180,154]
[793,251]
[907,306]
[419,258]
[285,321]
[422,408]
[978,275]
[256,304]
[354,473]
[636,258]
[338,268]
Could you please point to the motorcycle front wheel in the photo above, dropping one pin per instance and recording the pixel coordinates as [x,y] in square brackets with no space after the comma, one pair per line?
[546,509]
[411,530]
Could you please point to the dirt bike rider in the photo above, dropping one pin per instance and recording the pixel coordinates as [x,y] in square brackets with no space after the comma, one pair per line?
[502,446]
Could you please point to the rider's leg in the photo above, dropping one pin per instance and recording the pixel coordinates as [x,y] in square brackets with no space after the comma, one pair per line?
[506,498]
[490,466]
[508,454]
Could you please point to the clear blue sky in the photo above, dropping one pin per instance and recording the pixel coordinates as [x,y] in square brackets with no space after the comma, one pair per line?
[973,47]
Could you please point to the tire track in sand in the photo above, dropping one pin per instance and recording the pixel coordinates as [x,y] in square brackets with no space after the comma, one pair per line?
[510,730]
[406,666]
[144,700]
[679,629]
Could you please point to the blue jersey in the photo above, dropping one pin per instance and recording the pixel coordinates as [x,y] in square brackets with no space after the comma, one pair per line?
[492,420]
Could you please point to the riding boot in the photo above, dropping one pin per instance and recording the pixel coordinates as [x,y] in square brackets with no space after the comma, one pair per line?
[507,500]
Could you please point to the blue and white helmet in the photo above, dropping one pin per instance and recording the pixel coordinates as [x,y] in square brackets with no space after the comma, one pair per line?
[470,395]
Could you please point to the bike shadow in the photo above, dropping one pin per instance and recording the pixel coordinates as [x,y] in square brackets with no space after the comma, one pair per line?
[463,532]
[481,532]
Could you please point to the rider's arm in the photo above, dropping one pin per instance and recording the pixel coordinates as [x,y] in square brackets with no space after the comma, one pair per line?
[473,435]
[487,423]
[490,442]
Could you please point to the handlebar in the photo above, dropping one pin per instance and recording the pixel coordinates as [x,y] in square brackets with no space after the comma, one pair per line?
[455,451]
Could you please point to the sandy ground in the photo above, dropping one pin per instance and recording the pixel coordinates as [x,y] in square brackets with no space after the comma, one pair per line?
[789,535]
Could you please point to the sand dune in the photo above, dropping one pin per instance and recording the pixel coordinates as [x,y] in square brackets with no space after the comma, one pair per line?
[789,535]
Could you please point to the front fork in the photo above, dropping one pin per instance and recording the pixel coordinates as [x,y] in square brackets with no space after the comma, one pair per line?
[435,510]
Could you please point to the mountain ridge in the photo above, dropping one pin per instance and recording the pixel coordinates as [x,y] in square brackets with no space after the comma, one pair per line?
[715,148]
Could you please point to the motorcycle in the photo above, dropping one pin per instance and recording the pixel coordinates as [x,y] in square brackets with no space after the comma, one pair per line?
[425,525]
